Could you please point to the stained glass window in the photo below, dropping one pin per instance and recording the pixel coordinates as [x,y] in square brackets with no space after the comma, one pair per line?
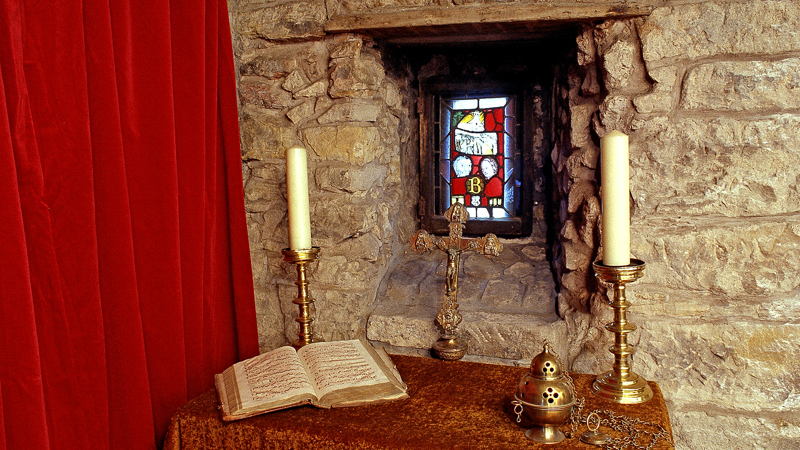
[474,138]
[478,155]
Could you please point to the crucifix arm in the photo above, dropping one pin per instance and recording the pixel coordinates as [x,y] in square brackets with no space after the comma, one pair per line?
[422,242]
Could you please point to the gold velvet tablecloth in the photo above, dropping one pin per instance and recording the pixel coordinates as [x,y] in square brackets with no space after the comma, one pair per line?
[452,405]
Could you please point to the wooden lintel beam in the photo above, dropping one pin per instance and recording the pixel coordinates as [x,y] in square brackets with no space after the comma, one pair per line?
[500,13]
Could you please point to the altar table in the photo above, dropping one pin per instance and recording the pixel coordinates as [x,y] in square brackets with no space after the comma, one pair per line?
[452,405]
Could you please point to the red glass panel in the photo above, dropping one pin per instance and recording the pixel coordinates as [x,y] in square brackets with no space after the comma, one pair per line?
[494,188]
[459,186]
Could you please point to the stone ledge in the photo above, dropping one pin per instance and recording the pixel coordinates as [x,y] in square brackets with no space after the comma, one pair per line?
[491,337]
[507,303]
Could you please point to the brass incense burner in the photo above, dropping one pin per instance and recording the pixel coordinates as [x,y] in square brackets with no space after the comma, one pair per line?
[545,395]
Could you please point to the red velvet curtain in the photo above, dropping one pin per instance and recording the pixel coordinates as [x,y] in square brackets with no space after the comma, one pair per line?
[125,277]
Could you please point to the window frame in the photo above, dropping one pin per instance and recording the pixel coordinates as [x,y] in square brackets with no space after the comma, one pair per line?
[432,90]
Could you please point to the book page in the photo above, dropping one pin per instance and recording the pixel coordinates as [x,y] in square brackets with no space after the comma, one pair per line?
[273,376]
[336,365]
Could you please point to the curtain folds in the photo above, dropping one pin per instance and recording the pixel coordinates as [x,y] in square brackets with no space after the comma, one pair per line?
[125,278]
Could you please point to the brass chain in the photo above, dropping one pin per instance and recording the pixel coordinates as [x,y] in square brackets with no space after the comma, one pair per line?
[636,432]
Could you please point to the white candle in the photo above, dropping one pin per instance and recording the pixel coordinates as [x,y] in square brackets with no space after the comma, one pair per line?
[297,196]
[616,208]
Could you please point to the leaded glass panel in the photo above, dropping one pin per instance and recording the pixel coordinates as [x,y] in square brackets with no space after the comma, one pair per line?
[475,145]
[478,155]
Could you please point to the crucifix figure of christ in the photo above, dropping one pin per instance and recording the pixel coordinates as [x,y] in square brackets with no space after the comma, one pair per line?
[448,346]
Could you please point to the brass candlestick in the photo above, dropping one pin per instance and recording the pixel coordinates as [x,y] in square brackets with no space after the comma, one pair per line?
[301,258]
[621,385]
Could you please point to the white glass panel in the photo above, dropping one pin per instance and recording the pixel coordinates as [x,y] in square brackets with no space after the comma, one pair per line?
[499,213]
[496,102]
[469,103]
[471,211]
[483,213]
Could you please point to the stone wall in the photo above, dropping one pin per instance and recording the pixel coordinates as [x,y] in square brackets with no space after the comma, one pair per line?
[350,106]
[709,93]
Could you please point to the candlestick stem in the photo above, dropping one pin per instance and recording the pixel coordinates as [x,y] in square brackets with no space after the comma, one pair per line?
[304,301]
[622,384]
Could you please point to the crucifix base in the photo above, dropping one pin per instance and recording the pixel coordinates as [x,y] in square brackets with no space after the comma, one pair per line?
[449,349]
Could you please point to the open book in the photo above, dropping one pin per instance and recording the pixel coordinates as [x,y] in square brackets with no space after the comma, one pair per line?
[323,374]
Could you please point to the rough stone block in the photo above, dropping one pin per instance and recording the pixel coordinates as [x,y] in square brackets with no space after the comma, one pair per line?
[705,29]
[743,86]
[278,60]
[294,81]
[350,47]
[361,6]
[663,96]
[258,197]
[779,309]
[577,255]
[580,124]
[322,105]
[357,110]
[355,77]
[264,137]
[719,166]
[272,171]
[254,221]
[616,112]
[403,326]
[361,246]
[316,89]
[264,93]
[270,320]
[580,192]
[348,143]
[338,217]
[287,292]
[358,181]
[502,294]
[623,68]
[731,258]
[508,303]
[271,66]
[737,364]
[730,429]
[301,112]
[280,21]
[650,299]
[258,259]
[339,313]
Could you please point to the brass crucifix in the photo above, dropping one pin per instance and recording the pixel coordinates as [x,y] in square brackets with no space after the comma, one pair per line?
[448,346]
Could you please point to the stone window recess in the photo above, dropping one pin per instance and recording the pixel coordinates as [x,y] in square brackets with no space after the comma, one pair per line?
[475,149]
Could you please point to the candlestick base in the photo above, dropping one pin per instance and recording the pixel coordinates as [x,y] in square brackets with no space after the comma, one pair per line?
[621,385]
[301,258]
[632,390]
